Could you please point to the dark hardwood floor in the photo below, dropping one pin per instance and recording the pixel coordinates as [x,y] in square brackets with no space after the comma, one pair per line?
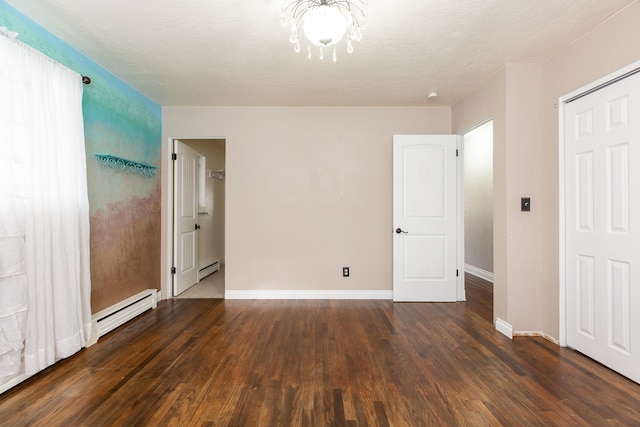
[322,363]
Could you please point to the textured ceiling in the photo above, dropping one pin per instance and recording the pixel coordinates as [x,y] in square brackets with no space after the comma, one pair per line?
[233,52]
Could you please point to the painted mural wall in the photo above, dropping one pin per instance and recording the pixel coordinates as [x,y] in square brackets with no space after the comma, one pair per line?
[124,206]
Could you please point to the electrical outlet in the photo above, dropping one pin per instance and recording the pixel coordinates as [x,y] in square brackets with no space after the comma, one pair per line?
[525,204]
[345,271]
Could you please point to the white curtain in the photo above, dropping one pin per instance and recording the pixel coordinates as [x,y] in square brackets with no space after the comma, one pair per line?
[45,287]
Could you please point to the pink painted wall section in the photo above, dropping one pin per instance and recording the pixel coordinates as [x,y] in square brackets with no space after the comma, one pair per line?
[124,252]
[308,190]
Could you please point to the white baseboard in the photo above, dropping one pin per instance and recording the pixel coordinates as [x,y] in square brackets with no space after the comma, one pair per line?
[302,294]
[118,314]
[504,328]
[210,268]
[486,275]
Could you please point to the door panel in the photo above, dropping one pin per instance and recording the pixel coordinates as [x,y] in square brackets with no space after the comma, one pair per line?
[602,133]
[185,218]
[425,218]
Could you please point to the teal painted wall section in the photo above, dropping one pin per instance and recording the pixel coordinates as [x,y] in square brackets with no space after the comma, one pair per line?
[125,207]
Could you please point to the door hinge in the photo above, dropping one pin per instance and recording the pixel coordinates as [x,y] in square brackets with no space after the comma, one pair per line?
[174,156]
[173,270]
[457,273]
[457,154]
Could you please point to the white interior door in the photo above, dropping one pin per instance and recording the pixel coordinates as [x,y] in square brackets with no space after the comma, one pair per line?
[185,218]
[602,260]
[425,218]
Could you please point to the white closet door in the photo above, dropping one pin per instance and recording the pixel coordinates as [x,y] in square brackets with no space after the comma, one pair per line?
[602,175]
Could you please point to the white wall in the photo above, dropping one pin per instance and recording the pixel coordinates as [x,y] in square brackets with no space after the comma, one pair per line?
[308,190]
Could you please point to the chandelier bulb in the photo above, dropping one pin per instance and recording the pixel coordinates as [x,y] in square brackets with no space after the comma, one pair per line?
[324,22]
[349,47]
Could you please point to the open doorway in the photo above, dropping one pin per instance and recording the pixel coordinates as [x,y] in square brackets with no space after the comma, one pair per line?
[478,202]
[210,222]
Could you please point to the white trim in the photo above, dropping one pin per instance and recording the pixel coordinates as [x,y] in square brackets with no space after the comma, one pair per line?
[476,125]
[307,294]
[462,296]
[562,232]
[120,313]
[601,81]
[478,272]
[562,298]
[209,269]
[504,328]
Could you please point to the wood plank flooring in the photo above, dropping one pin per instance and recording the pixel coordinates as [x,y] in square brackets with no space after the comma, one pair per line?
[198,362]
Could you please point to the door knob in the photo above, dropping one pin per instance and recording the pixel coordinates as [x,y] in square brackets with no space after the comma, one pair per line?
[400,230]
[197,227]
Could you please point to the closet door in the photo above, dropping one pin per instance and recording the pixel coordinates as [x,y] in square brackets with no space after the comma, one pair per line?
[602,176]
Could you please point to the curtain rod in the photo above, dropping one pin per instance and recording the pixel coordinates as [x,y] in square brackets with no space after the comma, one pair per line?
[12,36]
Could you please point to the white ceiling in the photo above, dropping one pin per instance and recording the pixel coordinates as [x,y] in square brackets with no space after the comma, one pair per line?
[235,53]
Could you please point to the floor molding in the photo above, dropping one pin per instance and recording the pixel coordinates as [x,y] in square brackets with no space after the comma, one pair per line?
[504,328]
[486,275]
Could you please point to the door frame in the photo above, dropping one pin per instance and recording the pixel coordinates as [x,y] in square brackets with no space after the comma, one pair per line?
[462,293]
[167,212]
[562,101]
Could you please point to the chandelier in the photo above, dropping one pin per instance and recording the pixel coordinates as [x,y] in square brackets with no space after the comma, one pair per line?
[324,23]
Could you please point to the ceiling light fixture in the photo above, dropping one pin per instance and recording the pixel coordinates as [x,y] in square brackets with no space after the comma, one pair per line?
[324,22]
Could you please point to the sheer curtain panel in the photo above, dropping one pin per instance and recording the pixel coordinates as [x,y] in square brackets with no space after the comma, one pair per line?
[45,284]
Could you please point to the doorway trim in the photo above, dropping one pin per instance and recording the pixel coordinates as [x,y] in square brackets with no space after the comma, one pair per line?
[167,212]
[562,101]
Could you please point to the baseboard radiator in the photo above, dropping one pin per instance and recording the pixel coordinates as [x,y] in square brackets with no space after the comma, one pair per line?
[209,269]
[120,313]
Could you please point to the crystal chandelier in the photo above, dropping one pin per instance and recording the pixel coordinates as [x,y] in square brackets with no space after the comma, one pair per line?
[324,22]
